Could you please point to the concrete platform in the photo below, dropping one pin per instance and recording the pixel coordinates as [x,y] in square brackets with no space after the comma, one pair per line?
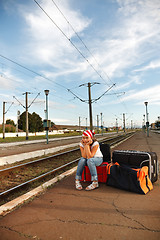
[19,151]
[105,213]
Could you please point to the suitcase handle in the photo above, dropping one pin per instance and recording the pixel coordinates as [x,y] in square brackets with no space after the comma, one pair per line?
[143,162]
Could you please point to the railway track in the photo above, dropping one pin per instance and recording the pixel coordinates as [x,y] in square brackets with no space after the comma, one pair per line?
[26,176]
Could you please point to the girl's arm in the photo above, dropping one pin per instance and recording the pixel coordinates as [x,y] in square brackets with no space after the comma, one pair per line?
[83,152]
[90,153]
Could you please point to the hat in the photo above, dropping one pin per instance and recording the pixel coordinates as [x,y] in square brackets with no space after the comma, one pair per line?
[88,133]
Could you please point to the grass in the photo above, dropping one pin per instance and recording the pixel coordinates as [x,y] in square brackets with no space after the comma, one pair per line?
[20,139]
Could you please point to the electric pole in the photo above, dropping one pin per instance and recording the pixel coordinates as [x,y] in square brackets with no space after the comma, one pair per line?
[147,121]
[90,101]
[101,123]
[4,119]
[90,106]
[18,114]
[86,123]
[116,125]
[26,93]
[79,123]
[124,123]
[4,112]
[26,108]
[97,123]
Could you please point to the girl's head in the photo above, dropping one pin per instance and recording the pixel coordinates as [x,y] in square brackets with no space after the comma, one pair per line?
[88,136]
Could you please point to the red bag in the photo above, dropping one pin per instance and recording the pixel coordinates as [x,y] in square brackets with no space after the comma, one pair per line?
[101,172]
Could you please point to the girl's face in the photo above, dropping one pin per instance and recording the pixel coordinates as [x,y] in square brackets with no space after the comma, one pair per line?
[86,139]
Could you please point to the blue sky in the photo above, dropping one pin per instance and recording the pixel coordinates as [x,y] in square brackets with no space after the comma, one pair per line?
[123,39]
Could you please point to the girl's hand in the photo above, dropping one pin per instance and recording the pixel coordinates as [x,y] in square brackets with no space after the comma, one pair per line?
[82,143]
[89,142]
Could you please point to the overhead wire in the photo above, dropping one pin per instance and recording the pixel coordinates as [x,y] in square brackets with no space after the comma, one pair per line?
[76,47]
[30,70]
[81,40]
[9,108]
[85,46]
[69,40]
[14,69]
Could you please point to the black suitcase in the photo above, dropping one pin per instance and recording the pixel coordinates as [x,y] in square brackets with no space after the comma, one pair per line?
[138,159]
[105,149]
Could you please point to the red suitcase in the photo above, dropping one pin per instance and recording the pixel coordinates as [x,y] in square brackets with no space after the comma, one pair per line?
[101,172]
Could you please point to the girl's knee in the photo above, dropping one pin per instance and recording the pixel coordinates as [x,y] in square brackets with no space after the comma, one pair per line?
[82,160]
[90,161]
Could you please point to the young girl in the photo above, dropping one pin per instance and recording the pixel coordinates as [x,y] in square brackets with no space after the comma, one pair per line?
[91,156]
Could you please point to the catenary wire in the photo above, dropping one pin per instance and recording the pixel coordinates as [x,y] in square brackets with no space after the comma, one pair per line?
[85,47]
[69,40]
[30,70]
[81,41]
[73,44]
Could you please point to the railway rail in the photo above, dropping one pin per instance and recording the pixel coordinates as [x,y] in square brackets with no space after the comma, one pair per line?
[18,177]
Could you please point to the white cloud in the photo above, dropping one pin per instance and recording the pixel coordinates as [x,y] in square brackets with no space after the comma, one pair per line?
[48,44]
[60,120]
[151,65]
[134,41]
[132,81]
[8,81]
[128,45]
[151,95]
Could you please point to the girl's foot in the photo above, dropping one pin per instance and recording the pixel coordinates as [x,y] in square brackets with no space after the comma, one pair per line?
[78,185]
[92,186]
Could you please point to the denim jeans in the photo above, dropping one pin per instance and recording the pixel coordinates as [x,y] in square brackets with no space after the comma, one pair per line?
[91,163]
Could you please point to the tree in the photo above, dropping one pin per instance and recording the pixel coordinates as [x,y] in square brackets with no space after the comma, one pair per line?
[34,122]
[22,121]
[11,122]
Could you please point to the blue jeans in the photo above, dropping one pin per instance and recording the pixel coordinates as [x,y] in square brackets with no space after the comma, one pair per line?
[91,163]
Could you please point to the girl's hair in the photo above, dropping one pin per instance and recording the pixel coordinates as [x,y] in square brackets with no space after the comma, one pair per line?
[94,140]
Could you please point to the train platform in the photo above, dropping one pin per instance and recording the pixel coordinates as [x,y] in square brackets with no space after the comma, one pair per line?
[62,212]
[19,151]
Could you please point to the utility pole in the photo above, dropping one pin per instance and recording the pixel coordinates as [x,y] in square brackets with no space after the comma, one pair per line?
[147,121]
[124,123]
[101,123]
[116,125]
[4,119]
[47,128]
[4,112]
[26,108]
[90,101]
[86,123]
[90,106]
[18,114]
[97,124]
[79,123]
[26,93]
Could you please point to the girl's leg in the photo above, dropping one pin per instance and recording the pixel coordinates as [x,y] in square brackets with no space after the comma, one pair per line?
[81,164]
[92,163]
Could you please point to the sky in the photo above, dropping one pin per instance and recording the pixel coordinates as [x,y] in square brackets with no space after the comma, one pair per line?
[62,45]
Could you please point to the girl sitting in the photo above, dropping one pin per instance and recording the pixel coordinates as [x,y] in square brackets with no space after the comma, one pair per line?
[91,156]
